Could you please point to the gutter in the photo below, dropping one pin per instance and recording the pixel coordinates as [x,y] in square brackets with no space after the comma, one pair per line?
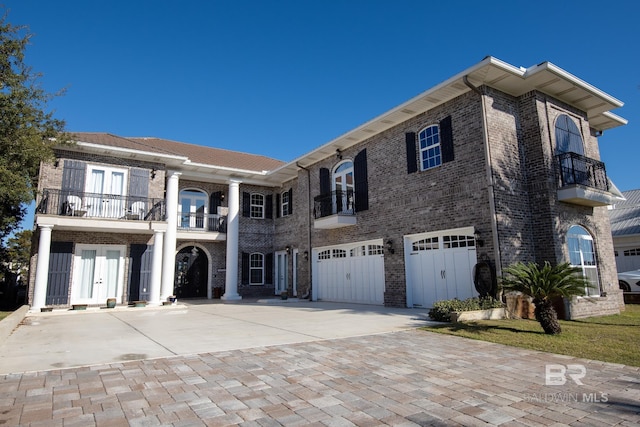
[489,171]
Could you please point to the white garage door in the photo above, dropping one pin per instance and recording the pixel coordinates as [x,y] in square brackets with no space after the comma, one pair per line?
[350,273]
[439,266]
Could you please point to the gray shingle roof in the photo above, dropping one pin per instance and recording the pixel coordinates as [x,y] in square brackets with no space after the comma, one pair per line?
[625,215]
[195,153]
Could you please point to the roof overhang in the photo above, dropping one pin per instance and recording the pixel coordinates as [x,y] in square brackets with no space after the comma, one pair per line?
[545,77]
[190,170]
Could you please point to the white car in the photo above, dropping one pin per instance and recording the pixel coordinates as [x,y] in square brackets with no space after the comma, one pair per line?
[629,281]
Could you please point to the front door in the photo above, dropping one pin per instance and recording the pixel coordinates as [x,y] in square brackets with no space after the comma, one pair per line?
[98,273]
[191,273]
[282,272]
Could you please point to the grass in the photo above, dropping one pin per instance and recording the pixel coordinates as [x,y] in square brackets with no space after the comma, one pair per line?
[614,339]
[4,314]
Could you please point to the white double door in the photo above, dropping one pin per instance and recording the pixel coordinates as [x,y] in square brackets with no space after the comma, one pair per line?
[98,273]
[105,189]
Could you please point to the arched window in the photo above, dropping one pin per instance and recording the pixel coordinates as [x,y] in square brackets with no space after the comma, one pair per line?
[343,186]
[192,208]
[430,153]
[582,254]
[568,136]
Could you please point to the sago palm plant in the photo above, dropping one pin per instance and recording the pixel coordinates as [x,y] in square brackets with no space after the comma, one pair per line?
[543,285]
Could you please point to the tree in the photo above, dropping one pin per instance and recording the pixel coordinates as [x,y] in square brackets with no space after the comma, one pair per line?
[544,285]
[27,131]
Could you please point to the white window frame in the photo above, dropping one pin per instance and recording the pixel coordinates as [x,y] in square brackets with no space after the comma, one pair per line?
[585,266]
[257,203]
[284,203]
[424,147]
[259,259]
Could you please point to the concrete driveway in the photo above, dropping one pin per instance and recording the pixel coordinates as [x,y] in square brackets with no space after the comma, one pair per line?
[299,364]
[67,338]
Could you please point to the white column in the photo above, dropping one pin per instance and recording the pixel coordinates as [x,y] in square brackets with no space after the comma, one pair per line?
[42,268]
[169,251]
[156,266]
[231,279]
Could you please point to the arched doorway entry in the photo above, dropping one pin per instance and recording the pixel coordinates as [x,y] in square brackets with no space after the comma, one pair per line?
[191,273]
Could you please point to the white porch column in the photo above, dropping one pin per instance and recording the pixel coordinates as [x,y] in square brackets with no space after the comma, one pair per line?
[231,278]
[169,249]
[42,268]
[156,266]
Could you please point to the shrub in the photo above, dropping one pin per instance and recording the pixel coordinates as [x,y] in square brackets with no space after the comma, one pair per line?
[441,311]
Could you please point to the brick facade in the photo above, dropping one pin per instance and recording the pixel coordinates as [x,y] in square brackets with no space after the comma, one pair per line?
[502,181]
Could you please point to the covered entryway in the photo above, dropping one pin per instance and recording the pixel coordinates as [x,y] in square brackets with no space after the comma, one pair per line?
[349,273]
[191,273]
[439,266]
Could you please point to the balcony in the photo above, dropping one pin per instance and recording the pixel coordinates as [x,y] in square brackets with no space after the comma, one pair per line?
[583,181]
[334,210]
[100,206]
[202,222]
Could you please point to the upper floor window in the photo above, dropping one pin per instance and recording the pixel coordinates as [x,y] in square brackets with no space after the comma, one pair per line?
[568,137]
[430,153]
[343,185]
[582,254]
[257,205]
[285,203]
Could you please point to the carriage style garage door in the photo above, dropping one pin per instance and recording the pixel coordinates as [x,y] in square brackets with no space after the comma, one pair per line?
[350,273]
[439,266]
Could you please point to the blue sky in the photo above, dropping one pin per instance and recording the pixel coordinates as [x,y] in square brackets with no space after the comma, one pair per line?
[280,78]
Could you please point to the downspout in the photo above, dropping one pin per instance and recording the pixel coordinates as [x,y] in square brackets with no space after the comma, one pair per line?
[489,171]
[309,210]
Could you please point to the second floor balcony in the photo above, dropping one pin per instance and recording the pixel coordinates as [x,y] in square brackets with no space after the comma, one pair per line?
[112,210]
[100,206]
[583,181]
[335,209]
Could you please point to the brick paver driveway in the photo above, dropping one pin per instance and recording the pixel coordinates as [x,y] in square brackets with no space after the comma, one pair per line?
[408,377]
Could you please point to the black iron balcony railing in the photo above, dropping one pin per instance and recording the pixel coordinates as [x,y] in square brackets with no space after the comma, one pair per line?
[581,170]
[93,205]
[202,222]
[335,203]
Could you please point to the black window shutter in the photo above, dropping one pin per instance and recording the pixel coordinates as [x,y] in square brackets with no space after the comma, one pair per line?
[268,210]
[361,181]
[139,183]
[244,276]
[446,139]
[268,269]
[215,201]
[290,202]
[325,182]
[59,273]
[278,206]
[73,176]
[140,262]
[246,204]
[412,159]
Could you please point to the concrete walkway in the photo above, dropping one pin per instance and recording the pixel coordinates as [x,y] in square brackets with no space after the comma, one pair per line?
[299,364]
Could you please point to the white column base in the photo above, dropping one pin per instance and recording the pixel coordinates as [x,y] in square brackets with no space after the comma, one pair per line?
[226,297]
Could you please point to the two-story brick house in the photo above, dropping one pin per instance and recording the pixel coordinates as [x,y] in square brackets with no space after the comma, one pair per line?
[427,201]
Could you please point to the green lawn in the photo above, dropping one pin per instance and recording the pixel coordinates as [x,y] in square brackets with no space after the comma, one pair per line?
[613,339]
[4,314]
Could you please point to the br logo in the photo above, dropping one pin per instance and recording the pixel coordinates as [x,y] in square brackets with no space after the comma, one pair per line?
[557,374]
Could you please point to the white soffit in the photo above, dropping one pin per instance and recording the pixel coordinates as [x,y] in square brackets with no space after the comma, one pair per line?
[545,77]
